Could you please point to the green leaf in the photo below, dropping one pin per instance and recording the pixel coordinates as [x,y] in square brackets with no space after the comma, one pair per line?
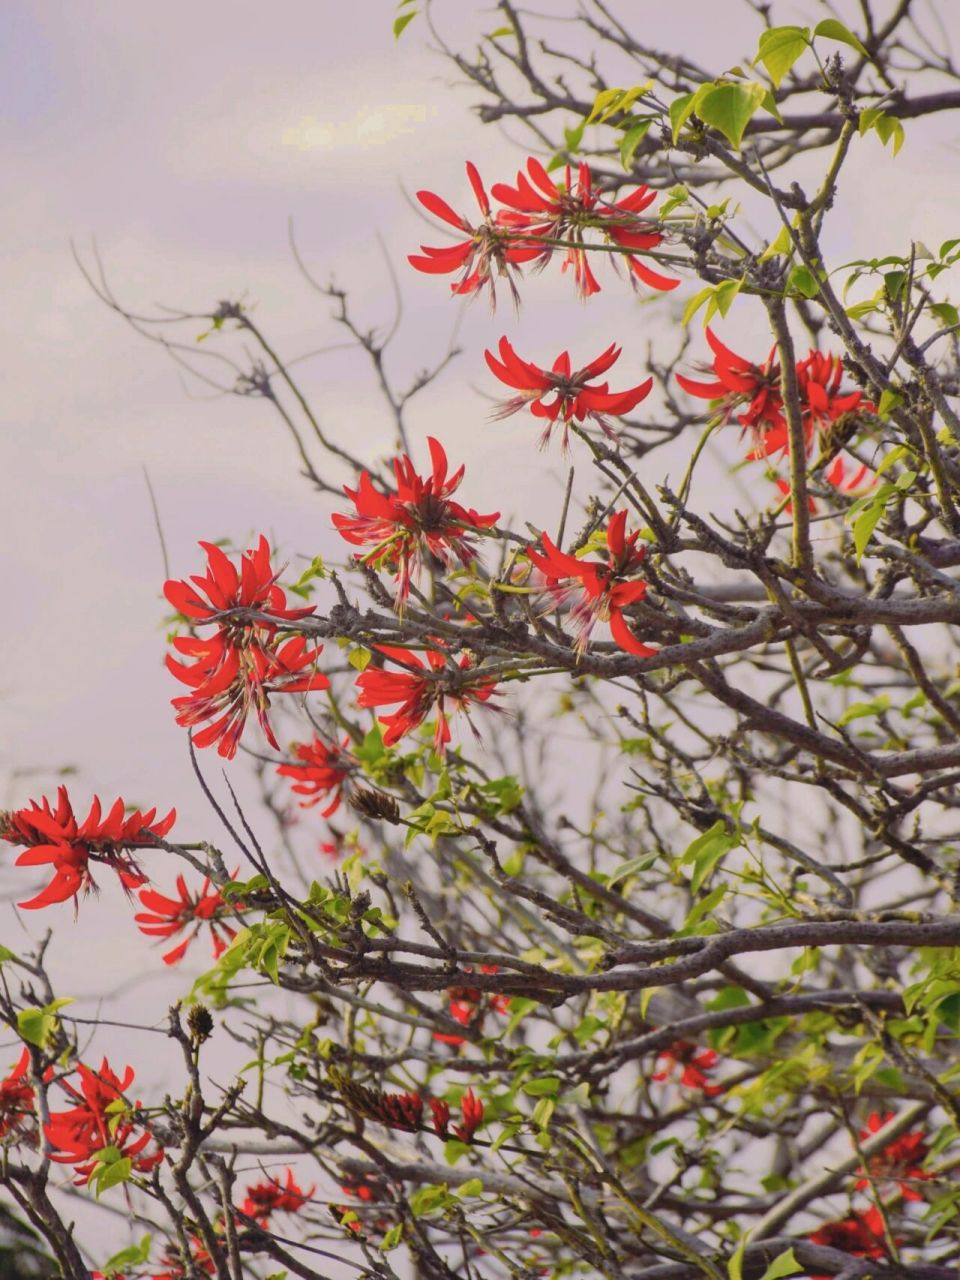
[735,1265]
[631,140]
[728,107]
[393,1237]
[110,1173]
[831,29]
[133,1255]
[781,246]
[946,313]
[632,868]
[784,1264]
[703,908]
[543,1086]
[502,31]
[6,954]
[359,658]
[779,48]
[400,24]
[681,109]
[472,1187]
[695,303]
[706,851]
[802,280]
[864,526]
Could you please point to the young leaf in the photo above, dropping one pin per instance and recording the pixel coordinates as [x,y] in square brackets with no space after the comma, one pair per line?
[779,48]
[728,107]
[681,109]
[831,29]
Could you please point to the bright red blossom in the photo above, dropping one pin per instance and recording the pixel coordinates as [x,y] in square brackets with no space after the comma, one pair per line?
[16,1099]
[467,1006]
[166,917]
[418,517]
[78,1134]
[266,1198]
[901,1161]
[572,396]
[860,1234]
[693,1064]
[547,210]
[235,670]
[54,836]
[606,588]
[323,769]
[420,689]
[490,250]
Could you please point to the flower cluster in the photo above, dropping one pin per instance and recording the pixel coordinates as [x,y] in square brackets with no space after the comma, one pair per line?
[901,1161]
[322,770]
[54,836]
[165,917]
[540,217]
[236,669]
[421,688]
[468,1007]
[752,393]
[418,516]
[471,1111]
[17,1100]
[266,1198]
[405,1110]
[605,587]
[101,1119]
[573,397]
[370,1190]
[692,1063]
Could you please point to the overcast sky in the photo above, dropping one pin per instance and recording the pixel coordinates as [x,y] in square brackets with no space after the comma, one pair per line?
[182,138]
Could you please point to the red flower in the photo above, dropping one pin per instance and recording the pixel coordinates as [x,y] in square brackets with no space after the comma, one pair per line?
[400,1111]
[16,1099]
[489,251]
[467,1008]
[323,770]
[543,209]
[694,1063]
[441,1116]
[900,1161]
[166,917]
[199,1258]
[418,517]
[246,660]
[471,1108]
[79,1134]
[573,398]
[860,1234]
[740,383]
[266,1198]
[605,588]
[419,689]
[55,836]
[371,1190]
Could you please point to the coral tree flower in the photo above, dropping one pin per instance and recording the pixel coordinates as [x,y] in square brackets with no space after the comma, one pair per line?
[606,588]
[247,659]
[16,1100]
[419,516]
[489,252]
[693,1064]
[471,1109]
[860,1234]
[54,836]
[901,1161]
[79,1134]
[547,210]
[166,917]
[572,396]
[266,1198]
[420,689]
[322,769]
[468,1007]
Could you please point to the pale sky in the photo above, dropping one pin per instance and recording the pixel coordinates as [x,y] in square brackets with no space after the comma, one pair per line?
[182,138]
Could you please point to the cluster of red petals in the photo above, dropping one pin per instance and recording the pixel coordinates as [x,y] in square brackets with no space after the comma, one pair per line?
[421,688]
[547,211]
[78,1134]
[537,214]
[752,393]
[860,1234]
[16,1100]
[165,917]
[471,1111]
[491,250]
[322,770]
[54,837]
[572,396]
[236,669]
[693,1064]
[418,516]
[371,1190]
[266,1198]
[200,1260]
[606,587]
[468,1007]
[900,1161]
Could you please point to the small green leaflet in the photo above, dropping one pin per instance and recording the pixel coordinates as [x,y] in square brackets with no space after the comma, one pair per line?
[706,851]
[728,107]
[784,1264]
[831,29]
[779,48]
